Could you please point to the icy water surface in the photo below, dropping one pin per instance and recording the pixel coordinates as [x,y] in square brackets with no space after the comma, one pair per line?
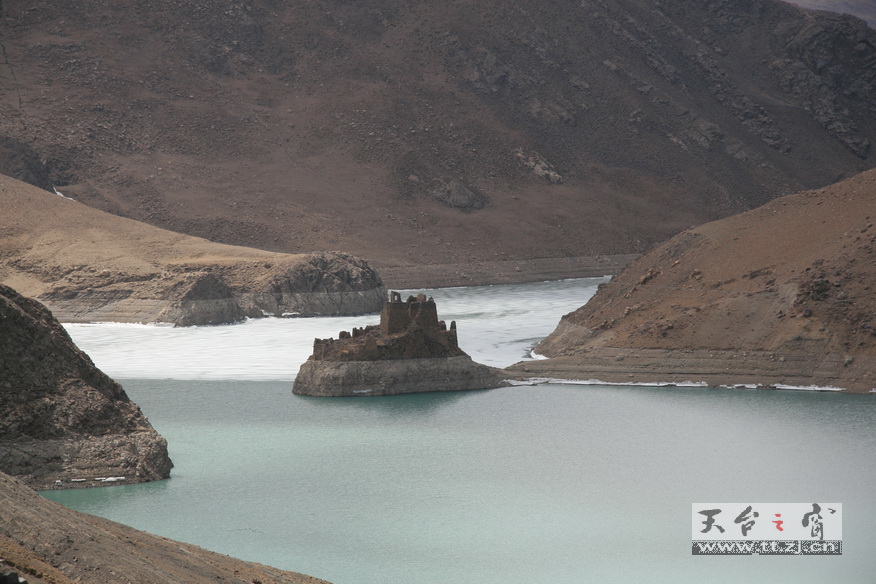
[553,484]
[497,326]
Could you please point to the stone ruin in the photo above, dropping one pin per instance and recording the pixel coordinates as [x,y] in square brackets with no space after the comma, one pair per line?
[410,351]
[407,330]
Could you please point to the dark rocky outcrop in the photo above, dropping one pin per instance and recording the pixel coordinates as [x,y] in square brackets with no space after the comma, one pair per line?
[61,418]
[201,299]
[324,284]
[409,351]
[20,161]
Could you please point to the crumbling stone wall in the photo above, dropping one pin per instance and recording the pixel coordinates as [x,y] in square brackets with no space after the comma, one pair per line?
[407,330]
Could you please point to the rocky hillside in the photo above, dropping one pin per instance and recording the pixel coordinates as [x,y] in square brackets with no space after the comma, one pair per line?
[47,543]
[443,133]
[784,294]
[61,418]
[88,265]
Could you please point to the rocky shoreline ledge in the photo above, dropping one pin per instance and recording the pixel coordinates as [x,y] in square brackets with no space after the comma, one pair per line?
[318,284]
[781,295]
[715,368]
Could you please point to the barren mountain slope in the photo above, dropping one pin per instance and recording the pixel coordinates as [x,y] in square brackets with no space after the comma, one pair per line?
[434,132]
[46,542]
[785,293]
[88,265]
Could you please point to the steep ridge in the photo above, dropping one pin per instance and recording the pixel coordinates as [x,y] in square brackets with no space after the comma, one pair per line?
[783,294]
[61,418]
[446,133]
[88,265]
[46,542]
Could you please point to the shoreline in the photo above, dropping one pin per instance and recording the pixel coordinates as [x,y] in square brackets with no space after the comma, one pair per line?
[713,367]
[394,277]
[483,273]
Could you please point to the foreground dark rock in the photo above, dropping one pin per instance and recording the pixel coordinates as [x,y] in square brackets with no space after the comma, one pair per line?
[782,295]
[46,542]
[61,418]
[409,351]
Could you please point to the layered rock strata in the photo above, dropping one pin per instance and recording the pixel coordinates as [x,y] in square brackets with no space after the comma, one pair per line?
[781,295]
[409,351]
[319,284]
[61,418]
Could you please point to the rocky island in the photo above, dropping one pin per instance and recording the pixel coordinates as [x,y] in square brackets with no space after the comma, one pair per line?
[63,422]
[409,351]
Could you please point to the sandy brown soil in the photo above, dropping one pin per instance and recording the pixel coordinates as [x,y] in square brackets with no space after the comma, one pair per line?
[41,234]
[46,542]
[414,134]
[50,246]
[784,294]
[88,265]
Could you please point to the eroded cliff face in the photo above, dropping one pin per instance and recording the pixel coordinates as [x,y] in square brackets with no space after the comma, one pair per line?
[61,418]
[323,284]
[783,294]
[207,293]
[393,377]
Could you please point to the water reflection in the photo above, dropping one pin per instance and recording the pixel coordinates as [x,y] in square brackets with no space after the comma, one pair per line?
[410,407]
[94,499]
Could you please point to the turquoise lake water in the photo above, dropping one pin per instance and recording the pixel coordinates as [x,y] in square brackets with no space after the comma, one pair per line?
[527,484]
